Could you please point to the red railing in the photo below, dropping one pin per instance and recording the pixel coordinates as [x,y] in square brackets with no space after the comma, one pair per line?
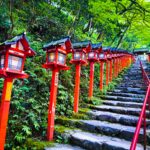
[142,118]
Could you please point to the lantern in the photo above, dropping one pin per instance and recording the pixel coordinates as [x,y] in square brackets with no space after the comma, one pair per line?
[56,52]
[92,58]
[79,58]
[93,53]
[12,57]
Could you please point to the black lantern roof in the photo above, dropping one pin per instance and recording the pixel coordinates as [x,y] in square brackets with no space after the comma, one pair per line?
[113,49]
[58,43]
[106,49]
[15,40]
[23,39]
[96,46]
[82,44]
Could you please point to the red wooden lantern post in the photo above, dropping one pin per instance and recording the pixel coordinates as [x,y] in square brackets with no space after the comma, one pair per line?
[13,54]
[109,58]
[113,50]
[92,58]
[102,60]
[56,52]
[107,65]
[79,58]
[148,57]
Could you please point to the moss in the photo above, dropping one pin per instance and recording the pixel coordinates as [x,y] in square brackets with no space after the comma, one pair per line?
[83,110]
[61,129]
[37,145]
[80,116]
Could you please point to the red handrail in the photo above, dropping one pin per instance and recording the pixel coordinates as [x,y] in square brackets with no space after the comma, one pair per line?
[142,117]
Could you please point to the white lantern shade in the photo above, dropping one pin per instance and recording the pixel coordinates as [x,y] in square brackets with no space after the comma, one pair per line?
[101,56]
[91,55]
[77,56]
[15,63]
[61,58]
[51,57]
[2,60]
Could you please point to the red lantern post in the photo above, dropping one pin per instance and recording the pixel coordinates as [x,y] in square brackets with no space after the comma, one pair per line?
[79,58]
[13,54]
[102,60]
[148,57]
[92,58]
[109,58]
[56,52]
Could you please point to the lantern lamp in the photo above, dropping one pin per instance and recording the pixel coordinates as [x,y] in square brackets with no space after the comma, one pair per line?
[79,58]
[12,58]
[79,52]
[93,53]
[92,58]
[56,52]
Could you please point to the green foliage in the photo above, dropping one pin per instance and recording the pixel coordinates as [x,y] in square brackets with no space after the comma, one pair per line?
[46,20]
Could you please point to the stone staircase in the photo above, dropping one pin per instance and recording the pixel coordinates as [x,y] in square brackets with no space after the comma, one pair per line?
[111,125]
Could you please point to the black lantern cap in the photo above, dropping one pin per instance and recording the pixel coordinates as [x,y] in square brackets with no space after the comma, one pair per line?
[106,49]
[21,37]
[15,40]
[57,43]
[82,44]
[96,46]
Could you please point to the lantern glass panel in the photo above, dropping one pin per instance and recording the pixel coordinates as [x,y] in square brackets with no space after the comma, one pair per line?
[61,58]
[15,63]
[91,55]
[51,57]
[101,56]
[83,56]
[2,60]
[77,55]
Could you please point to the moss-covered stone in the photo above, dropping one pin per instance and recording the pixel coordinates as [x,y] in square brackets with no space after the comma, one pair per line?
[37,145]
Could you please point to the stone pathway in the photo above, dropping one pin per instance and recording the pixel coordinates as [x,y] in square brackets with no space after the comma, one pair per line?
[112,124]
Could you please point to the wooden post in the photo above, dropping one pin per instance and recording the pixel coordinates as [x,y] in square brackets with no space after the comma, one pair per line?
[91,80]
[101,74]
[77,87]
[52,104]
[107,73]
[4,110]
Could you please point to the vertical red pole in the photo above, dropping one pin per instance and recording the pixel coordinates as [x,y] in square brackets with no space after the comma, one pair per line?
[4,110]
[101,74]
[77,88]
[107,72]
[52,104]
[144,129]
[110,70]
[113,67]
[91,79]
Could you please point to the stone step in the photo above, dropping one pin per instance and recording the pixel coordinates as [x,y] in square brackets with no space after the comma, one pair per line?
[92,141]
[131,85]
[132,89]
[63,147]
[121,98]
[124,104]
[120,110]
[126,94]
[115,118]
[125,90]
[111,129]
